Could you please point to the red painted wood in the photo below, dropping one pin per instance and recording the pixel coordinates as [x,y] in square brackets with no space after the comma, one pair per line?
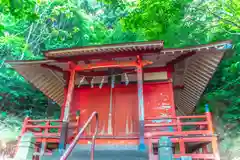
[70,90]
[182,133]
[195,139]
[110,64]
[132,71]
[156,97]
[125,110]
[44,127]
[196,116]
[124,105]
[178,87]
[89,100]
[175,124]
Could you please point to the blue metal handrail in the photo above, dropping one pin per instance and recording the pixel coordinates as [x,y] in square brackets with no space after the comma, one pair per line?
[76,139]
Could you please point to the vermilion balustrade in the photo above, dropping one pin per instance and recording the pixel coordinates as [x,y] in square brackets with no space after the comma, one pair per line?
[201,131]
[48,131]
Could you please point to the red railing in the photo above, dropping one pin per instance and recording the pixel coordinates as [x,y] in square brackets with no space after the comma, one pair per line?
[201,131]
[48,130]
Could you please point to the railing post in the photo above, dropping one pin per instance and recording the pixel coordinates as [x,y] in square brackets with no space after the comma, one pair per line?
[165,149]
[211,131]
[181,141]
[205,149]
[25,122]
[44,140]
[209,119]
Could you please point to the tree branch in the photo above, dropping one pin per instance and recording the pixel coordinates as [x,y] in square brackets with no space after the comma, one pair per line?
[217,16]
[231,32]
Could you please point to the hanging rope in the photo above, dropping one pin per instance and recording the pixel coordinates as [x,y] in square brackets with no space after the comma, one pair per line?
[81,81]
[92,82]
[113,81]
[126,79]
[110,75]
[102,81]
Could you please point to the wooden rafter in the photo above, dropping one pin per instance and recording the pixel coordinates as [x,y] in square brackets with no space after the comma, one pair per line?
[181,58]
[53,67]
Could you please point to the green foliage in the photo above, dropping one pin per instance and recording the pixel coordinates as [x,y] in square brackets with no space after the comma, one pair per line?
[20,9]
[155,18]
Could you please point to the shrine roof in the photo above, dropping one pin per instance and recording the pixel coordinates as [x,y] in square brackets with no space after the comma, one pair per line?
[193,67]
[125,50]
[133,48]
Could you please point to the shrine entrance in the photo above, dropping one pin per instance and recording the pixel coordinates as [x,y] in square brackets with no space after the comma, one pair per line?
[118,106]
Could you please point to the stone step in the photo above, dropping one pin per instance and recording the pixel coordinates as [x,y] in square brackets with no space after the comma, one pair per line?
[103,152]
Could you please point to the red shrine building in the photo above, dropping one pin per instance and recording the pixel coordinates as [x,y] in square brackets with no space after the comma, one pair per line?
[139,92]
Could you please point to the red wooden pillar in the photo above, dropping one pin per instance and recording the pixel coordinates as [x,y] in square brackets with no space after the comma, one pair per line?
[67,107]
[142,146]
[210,129]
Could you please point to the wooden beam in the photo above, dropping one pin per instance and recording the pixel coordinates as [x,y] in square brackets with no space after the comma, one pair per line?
[72,65]
[111,64]
[130,71]
[181,58]
[86,61]
[88,79]
[178,87]
[52,67]
[105,56]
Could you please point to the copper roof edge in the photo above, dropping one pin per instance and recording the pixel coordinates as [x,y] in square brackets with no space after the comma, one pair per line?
[199,46]
[49,53]
[22,62]
[114,45]
[218,43]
